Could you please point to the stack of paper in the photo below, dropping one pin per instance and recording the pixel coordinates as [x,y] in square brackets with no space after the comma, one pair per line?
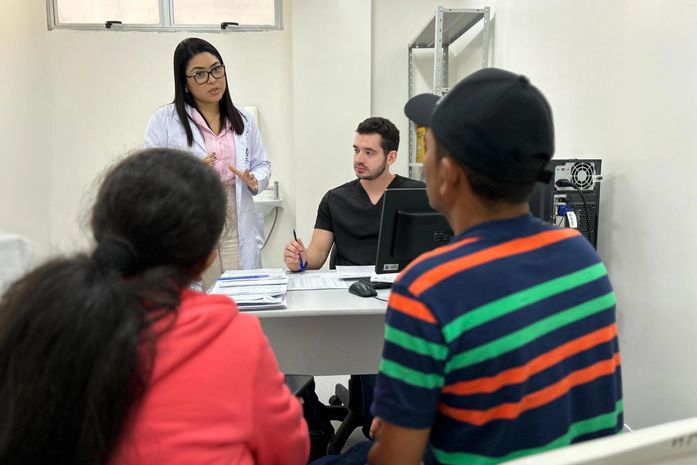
[254,289]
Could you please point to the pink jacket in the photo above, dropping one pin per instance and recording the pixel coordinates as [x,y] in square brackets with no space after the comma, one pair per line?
[216,395]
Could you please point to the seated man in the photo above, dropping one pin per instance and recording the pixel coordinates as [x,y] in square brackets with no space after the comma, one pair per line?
[348,216]
[503,343]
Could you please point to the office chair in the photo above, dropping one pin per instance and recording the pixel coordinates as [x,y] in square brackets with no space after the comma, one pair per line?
[16,256]
[332,257]
[346,405]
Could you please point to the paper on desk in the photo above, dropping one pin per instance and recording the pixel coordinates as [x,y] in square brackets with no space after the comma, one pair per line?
[253,289]
[308,281]
[277,289]
[261,306]
[259,273]
[354,272]
[259,299]
[252,282]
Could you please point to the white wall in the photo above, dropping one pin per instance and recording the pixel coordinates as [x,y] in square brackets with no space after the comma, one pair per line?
[331,95]
[99,115]
[106,85]
[24,123]
[395,24]
[620,76]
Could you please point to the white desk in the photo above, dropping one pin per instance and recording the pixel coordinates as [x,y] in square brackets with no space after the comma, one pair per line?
[326,332]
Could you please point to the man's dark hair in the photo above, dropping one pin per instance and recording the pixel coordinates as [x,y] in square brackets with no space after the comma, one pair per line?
[488,189]
[386,128]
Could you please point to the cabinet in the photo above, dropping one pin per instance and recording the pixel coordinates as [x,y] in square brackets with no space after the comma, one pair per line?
[446,26]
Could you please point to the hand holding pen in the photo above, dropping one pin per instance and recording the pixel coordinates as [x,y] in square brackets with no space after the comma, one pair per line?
[295,254]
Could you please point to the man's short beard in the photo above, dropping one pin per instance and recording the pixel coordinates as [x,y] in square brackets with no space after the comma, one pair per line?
[370,177]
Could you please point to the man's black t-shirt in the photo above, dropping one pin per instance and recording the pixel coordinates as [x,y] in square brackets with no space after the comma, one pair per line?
[348,212]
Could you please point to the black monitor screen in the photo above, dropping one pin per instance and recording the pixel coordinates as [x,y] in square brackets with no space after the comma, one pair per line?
[408,228]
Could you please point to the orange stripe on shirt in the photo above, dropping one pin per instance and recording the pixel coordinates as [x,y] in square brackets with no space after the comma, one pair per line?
[523,373]
[544,396]
[516,246]
[438,251]
[411,307]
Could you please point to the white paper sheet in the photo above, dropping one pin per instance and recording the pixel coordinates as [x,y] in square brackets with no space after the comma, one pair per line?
[252,282]
[309,281]
[260,273]
[354,272]
[252,290]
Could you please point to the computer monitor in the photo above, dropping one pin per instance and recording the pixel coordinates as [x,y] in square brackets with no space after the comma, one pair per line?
[408,228]
[673,443]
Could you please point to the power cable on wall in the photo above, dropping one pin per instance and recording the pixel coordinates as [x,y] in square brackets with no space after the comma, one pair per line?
[273,225]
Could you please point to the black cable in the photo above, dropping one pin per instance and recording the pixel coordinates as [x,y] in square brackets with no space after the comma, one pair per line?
[273,225]
[380,298]
[591,222]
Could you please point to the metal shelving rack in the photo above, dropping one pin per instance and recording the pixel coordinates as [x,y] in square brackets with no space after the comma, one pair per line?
[446,26]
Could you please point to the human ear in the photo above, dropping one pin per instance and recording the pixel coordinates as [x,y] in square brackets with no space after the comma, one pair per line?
[449,177]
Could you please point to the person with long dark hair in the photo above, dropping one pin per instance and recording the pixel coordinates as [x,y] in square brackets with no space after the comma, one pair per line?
[203,120]
[110,358]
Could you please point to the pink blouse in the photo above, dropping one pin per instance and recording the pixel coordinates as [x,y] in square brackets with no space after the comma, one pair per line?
[221,144]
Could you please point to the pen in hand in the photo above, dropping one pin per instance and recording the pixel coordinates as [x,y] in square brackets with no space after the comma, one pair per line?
[300,257]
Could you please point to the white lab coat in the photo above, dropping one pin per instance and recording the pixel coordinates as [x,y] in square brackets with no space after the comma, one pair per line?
[166,130]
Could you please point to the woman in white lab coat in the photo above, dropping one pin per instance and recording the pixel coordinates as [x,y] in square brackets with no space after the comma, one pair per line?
[203,120]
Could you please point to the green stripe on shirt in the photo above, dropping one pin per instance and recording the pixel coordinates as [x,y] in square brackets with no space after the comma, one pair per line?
[520,299]
[580,428]
[410,376]
[415,344]
[528,334]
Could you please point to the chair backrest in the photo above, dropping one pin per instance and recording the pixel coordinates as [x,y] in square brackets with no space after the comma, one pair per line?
[332,257]
[673,443]
[15,258]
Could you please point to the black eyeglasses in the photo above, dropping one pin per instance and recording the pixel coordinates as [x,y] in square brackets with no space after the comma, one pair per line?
[202,77]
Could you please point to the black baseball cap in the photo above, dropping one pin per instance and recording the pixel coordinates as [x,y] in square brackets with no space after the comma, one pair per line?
[494,122]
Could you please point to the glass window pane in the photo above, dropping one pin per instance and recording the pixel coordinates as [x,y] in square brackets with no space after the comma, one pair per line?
[99,11]
[254,12]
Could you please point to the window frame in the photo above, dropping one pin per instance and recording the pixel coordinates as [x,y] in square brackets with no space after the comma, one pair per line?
[166,22]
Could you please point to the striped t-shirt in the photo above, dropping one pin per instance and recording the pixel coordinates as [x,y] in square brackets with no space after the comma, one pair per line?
[503,343]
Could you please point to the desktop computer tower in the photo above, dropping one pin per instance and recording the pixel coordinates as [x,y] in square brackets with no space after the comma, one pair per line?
[572,197]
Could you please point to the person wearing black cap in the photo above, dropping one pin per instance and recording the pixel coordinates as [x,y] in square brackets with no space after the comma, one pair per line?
[502,343]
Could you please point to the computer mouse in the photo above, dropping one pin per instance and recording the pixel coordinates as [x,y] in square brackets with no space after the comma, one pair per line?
[363,289]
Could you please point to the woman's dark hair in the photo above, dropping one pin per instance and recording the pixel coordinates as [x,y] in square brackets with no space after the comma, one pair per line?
[185,51]
[76,343]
